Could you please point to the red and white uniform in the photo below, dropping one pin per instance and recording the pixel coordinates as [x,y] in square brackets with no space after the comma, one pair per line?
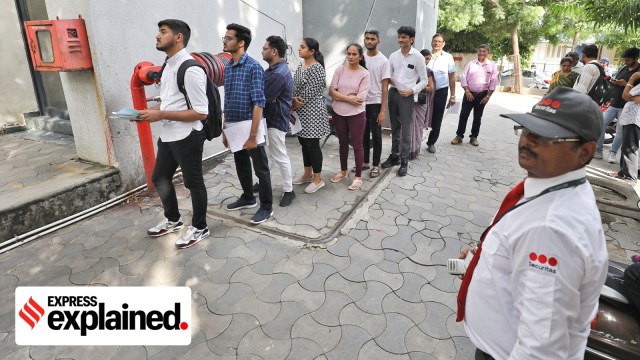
[535,289]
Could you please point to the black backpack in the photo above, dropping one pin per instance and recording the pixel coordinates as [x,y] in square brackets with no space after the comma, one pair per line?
[213,123]
[602,90]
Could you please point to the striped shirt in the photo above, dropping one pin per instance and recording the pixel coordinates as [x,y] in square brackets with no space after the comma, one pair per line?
[243,89]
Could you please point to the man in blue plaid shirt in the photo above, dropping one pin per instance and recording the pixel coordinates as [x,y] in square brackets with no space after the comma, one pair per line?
[244,100]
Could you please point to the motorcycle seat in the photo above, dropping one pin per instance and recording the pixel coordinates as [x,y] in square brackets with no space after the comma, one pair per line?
[613,294]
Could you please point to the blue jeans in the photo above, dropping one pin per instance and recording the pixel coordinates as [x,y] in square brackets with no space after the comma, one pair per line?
[608,116]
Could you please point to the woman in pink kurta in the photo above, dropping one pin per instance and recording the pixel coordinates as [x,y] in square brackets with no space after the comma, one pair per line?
[349,89]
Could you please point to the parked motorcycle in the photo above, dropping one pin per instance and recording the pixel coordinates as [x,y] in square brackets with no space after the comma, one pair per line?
[615,333]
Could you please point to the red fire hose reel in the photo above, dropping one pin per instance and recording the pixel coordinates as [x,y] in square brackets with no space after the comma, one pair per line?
[146,73]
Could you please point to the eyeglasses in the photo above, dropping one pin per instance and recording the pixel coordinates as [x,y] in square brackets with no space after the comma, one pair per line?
[539,139]
[266,49]
[227,38]
[437,41]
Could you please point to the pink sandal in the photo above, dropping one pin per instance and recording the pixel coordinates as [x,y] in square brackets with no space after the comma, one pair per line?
[357,183]
[339,176]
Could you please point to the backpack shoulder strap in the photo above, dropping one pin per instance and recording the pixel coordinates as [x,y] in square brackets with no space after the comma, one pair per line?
[181,72]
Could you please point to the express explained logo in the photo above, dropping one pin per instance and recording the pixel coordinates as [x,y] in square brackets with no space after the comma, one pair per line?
[541,262]
[103,316]
[31,312]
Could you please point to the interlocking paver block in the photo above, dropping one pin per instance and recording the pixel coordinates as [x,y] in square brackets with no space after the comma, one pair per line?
[223,275]
[337,262]
[227,342]
[410,290]
[354,290]
[315,280]
[273,292]
[444,281]
[353,338]
[373,273]
[435,325]
[325,336]
[392,339]
[312,300]
[431,293]
[257,282]
[371,302]
[464,348]
[328,314]
[417,341]
[257,343]
[280,327]
[302,348]
[371,351]
[240,298]
[361,258]
[392,303]
[401,241]
[288,266]
[211,324]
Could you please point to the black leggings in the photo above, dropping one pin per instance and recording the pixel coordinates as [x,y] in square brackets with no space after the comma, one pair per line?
[311,153]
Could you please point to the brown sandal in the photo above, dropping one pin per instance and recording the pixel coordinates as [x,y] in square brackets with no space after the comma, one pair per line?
[375,172]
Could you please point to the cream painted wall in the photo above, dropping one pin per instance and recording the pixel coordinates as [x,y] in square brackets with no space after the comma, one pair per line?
[17,89]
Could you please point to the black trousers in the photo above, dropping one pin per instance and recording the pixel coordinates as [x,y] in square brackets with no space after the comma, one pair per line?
[243,159]
[477,108]
[439,105]
[311,153]
[372,132]
[186,153]
[401,116]
[632,284]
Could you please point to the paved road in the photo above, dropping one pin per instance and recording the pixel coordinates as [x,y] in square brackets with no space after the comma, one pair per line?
[379,290]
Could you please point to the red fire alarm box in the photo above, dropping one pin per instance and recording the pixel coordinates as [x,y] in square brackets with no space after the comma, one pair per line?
[59,45]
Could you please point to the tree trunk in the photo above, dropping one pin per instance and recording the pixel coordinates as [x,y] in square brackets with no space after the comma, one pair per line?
[576,38]
[517,72]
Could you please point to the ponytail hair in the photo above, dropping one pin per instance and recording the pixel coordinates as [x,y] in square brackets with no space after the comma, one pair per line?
[362,62]
[313,44]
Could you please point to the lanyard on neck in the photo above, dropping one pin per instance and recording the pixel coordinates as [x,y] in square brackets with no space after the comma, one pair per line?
[565,185]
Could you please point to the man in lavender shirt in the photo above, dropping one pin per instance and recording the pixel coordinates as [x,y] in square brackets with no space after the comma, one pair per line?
[479,79]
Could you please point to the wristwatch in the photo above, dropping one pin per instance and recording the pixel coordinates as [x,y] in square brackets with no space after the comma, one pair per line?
[453,96]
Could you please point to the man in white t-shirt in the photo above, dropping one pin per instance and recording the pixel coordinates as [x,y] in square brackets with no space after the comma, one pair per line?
[182,138]
[376,102]
[444,72]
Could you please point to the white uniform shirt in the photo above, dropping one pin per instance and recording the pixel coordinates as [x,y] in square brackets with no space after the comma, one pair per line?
[630,114]
[195,82]
[442,65]
[578,67]
[535,289]
[378,67]
[588,77]
[408,72]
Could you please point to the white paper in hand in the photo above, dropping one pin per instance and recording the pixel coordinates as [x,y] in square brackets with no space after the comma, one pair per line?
[296,127]
[237,133]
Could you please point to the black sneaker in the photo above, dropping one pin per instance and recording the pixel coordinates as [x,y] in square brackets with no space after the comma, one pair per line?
[392,160]
[261,216]
[192,237]
[287,198]
[256,188]
[403,168]
[165,227]
[242,204]
[431,148]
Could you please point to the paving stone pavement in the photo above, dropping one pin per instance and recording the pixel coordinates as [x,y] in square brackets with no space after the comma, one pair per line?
[379,290]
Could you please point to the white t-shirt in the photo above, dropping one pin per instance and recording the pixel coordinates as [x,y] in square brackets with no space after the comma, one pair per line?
[195,83]
[535,289]
[378,67]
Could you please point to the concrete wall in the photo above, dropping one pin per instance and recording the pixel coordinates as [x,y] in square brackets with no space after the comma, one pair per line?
[336,23]
[121,34]
[17,89]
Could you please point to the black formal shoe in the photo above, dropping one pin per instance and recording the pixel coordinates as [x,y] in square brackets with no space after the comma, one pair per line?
[403,168]
[256,187]
[392,160]
[431,148]
[287,198]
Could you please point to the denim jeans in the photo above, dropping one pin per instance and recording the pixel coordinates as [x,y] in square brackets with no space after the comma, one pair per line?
[608,116]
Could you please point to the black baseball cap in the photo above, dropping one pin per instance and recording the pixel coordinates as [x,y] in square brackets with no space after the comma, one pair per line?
[562,113]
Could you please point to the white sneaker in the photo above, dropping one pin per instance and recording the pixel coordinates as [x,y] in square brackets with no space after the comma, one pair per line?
[612,158]
[165,227]
[192,237]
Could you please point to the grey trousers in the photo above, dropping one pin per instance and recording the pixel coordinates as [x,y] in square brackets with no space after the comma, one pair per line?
[629,158]
[401,116]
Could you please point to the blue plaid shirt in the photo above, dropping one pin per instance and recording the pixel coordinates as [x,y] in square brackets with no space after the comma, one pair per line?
[243,89]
